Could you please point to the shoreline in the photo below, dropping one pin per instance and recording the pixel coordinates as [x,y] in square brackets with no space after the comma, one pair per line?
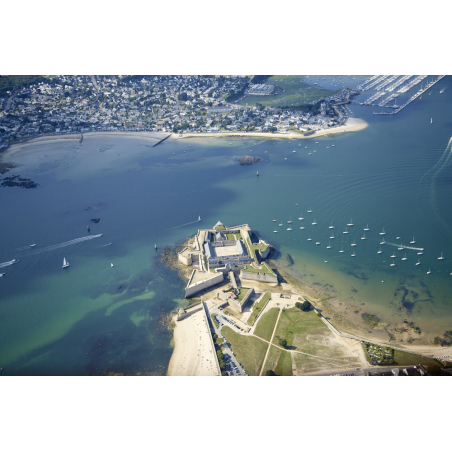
[75,137]
[352,125]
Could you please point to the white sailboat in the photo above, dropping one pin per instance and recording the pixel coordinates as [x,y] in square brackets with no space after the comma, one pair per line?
[289,228]
[363,237]
[353,244]
[382,232]
[290,220]
[199,218]
[400,248]
[32,245]
[441,257]
[345,232]
[342,249]
[310,210]
[280,224]
[275,230]
[332,237]
[354,254]
[112,264]
[393,256]
[317,243]
[301,227]
[428,273]
[301,217]
[329,246]
[431,120]
[314,222]
[383,242]
[331,227]
[392,265]
[413,241]
[351,222]
[65,263]
[309,239]
[367,227]
[404,258]
[418,262]
[379,252]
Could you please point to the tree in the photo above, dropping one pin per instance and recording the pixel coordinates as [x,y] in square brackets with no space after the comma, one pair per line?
[182,96]
[224,374]
[305,306]
[283,343]
[270,373]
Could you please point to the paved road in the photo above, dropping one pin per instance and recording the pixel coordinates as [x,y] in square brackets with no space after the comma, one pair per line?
[230,359]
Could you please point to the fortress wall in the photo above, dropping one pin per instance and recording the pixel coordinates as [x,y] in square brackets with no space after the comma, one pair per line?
[259,277]
[201,285]
[239,306]
[214,353]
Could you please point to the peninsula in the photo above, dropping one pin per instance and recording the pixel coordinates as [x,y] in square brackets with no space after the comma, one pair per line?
[244,318]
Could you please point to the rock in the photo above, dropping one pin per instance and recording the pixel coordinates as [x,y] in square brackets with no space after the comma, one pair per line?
[248,160]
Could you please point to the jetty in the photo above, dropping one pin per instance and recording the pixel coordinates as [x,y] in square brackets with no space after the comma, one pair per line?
[162,140]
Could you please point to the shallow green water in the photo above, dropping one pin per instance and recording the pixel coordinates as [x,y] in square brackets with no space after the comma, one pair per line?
[93,318]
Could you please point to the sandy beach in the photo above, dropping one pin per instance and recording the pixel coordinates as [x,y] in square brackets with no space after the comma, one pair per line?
[352,125]
[193,354]
[153,137]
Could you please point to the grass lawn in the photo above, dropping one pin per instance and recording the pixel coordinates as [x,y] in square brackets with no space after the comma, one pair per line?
[408,359]
[266,324]
[295,92]
[279,361]
[264,269]
[231,236]
[249,351]
[242,292]
[251,251]
[257,308]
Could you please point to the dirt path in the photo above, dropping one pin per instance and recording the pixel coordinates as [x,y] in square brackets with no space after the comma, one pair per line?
[270,343]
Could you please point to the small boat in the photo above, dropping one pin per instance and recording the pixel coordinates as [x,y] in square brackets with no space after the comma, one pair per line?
[345,232]
[314,222]
[429,272]
[65,263]
[309,239]
[310,210]
[332,145]
[290,221]
[289,229]
[397,238]
[418,262]
[342,249]
[383,242]
[363,237]
[2,274]
[331,227]
[392,265]
[400,248]
[301,227]
[309,153]
[367,228]
[441,257]
[87,227]
[155,246]
[275,230]
[353,255]
[199,218]
[326,262]
[379,252]
[413,241]
[382,232]
[353,244]
[420,253]
[329,246]
[393,256]
[32,245]
[257,173]
[301,218]
[15,261]
[332,237]
[404,258]
[431,120]
[275,220]
[280,224]
[112,265]
[317,243]
[351,222]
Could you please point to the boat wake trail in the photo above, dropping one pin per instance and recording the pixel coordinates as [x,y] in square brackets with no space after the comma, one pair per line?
[186,224]
[5,264]
[64,244]
[405,247]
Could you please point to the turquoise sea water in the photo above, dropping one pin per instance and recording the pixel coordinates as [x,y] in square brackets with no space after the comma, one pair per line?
[93,318]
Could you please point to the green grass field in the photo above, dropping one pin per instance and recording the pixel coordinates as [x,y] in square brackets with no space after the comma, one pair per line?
[278,361]
[266,324]
[249,351]
[257,308]
[264,269]
[295,92]
[408,359]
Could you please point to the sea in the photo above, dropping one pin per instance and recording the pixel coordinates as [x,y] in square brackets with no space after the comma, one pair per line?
[95,318]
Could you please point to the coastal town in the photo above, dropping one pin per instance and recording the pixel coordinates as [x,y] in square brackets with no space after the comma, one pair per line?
[36,106]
